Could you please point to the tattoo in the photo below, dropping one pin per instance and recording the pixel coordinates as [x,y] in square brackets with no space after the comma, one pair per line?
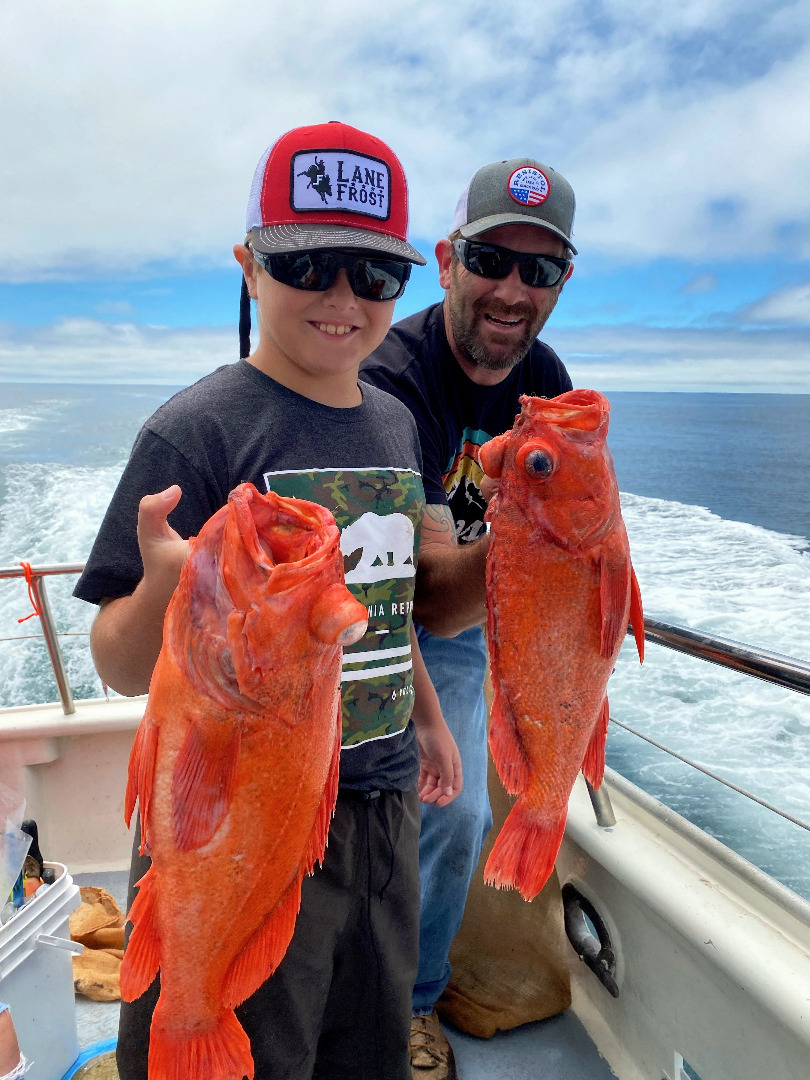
[438,526]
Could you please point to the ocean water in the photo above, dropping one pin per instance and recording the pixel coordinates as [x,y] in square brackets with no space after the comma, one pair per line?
[716,498]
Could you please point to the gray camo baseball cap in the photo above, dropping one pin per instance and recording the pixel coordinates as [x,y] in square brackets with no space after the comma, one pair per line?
[520,191]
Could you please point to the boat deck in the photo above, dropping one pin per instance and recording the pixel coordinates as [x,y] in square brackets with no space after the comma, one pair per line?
[558,1048]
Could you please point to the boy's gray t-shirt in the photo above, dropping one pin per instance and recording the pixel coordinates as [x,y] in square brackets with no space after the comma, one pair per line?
[238,425]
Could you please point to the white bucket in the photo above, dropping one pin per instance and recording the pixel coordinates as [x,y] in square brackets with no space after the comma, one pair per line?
[36,977]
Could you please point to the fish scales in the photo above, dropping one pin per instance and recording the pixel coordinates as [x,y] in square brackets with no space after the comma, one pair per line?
[560,592]
[235,769]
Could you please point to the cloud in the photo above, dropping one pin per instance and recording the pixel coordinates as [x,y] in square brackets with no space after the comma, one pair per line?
[130,132]
[703,283]
[788,305]
[699,360]
[603,357]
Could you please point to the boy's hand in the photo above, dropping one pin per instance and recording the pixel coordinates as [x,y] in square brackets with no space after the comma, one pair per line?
[162,549]
[440,778]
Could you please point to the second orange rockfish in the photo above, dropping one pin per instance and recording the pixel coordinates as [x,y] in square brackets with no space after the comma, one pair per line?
[235,769]
[560,592]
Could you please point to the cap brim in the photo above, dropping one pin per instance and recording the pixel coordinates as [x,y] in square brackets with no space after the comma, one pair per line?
[494,221]
[277,239]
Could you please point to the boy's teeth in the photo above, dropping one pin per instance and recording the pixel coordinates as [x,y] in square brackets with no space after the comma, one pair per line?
[329,328]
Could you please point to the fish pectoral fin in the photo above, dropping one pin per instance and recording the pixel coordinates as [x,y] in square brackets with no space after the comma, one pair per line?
[265,950]
[593,765]
[506,747]
[141,778]
[614,578]
[203,781]
[637,614]
[142,954]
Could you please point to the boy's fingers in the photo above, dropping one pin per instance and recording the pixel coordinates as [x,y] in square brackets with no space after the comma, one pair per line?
[153,511]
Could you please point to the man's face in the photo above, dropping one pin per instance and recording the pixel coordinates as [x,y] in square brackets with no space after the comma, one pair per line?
[492,323]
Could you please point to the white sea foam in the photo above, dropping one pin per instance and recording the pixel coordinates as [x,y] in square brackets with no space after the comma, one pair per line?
[50,514]
[741,582]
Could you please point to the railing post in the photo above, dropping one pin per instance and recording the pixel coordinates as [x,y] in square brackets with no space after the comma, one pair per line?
[602,806]
[52,641]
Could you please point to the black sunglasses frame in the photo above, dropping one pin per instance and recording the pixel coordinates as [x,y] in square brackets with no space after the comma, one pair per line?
[530,267]
[327,262]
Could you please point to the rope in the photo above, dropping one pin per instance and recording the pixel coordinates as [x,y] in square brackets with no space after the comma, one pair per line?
[35,637]
[30,580]
[714,776]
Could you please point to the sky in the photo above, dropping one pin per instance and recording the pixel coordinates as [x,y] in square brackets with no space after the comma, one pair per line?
[129,134]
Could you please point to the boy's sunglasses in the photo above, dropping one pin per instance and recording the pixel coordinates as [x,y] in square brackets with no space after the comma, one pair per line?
[490,261]
[371,277]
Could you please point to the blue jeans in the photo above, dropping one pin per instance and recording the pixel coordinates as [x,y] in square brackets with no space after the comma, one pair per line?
[452,836]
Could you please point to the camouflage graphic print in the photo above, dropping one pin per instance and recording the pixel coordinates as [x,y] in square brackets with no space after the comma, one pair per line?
[379,514]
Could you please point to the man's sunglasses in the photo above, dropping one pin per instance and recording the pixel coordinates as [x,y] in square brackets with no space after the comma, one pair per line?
[490,261]
[371,277]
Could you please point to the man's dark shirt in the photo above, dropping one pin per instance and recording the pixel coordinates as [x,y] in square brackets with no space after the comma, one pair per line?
[454,415]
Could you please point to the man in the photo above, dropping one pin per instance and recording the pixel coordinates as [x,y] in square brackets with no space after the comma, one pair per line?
[461,367]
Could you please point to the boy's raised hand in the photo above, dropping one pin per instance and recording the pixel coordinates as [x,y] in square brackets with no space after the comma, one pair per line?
[162,549]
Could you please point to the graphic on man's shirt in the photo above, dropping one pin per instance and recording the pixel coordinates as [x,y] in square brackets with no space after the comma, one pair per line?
[379,513]
[462,482]
[386,545]
[340,180]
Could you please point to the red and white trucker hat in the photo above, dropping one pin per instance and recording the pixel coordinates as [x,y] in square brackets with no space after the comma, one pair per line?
[330,186]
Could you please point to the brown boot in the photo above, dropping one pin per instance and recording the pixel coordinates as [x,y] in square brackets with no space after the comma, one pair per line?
[431,1053]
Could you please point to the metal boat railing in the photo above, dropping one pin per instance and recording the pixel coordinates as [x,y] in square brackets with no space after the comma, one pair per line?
[747,659]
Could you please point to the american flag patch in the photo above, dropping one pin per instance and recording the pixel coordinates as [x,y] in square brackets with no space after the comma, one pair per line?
[528,186]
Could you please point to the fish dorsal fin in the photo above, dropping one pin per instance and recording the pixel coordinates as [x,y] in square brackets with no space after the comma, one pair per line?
[593,766]
[265,950]
[613,582]
[142,956]
[203,780]
[637,614]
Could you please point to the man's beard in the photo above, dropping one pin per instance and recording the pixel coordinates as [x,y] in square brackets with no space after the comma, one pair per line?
[470,344]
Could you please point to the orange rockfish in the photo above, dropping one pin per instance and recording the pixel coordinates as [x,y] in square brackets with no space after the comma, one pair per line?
[560,592]
[235,769]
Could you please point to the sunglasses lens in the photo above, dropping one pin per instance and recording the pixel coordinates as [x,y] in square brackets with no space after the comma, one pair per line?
[541,271]
[488,262]
[314,271]
[378,279]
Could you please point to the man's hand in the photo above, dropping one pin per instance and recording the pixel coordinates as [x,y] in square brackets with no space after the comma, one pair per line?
[450,590]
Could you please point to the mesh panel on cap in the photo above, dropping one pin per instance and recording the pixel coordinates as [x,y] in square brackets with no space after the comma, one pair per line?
[253,218]
[460,216]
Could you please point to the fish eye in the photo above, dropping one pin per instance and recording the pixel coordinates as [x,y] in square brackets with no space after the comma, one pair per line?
[539,464]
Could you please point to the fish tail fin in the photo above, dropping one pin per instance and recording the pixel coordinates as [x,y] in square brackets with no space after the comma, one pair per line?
[222,1052]
[593,765]
[142,955]
[506,748]
[524,853]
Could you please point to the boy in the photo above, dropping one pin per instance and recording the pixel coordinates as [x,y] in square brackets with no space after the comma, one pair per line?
[325,257]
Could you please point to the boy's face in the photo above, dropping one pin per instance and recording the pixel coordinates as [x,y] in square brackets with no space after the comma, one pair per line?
[313,334]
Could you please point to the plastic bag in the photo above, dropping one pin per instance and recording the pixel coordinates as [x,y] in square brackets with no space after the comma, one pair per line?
[14,843]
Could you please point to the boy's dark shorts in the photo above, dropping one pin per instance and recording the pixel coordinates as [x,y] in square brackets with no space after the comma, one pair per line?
[339,1005]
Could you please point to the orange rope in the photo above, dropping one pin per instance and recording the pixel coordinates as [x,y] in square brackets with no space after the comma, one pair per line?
[29,578]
